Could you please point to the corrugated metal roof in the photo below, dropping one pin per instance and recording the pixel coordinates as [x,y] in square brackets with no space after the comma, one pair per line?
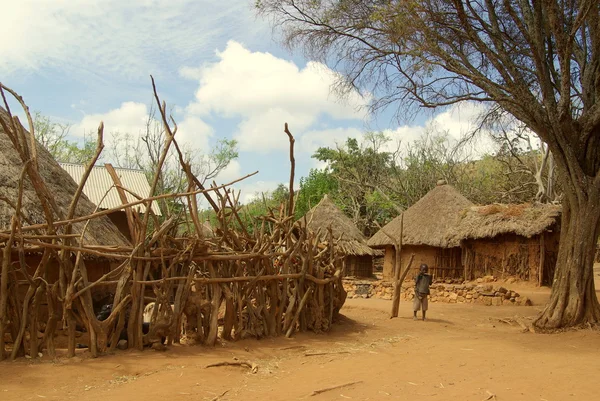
[100,182]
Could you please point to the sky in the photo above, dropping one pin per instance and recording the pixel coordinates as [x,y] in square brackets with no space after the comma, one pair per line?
[220,68]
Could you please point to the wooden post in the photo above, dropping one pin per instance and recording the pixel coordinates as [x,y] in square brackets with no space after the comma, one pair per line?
[397,266]
[128,211]
[542,260]
[398,286]
[466,262]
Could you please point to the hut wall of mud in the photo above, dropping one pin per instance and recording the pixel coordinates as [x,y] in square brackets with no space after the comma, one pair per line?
[510,255]
[443,262]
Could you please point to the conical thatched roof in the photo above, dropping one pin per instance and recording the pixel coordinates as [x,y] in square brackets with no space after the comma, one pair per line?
[489,221]
[430,221]
[100,231]
[326,214]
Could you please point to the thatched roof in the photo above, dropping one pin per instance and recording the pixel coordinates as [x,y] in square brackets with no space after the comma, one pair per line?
[430,221]
[488,221]
[101,231]
[326,214]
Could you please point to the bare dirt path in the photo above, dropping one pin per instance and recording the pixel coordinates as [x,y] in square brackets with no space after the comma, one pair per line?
[464,352]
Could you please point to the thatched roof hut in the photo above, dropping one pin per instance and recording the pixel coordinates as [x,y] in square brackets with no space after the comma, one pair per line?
[526,220]
[431,221]
[326,214]
[61,186]
[510,240]
[351,241]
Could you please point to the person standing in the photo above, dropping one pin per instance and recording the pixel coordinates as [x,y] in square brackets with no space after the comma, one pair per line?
[422,283]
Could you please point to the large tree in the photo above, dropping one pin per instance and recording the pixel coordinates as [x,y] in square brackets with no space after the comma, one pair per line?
[537,59]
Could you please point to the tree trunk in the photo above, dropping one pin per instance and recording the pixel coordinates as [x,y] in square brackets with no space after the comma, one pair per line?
[573,300]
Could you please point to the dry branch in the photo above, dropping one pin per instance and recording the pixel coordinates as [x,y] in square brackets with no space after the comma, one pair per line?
[246,364]
[292,170]
[325,353]
[218,397]
[324,390]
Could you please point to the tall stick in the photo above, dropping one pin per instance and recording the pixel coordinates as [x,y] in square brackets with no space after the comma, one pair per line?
[397,242]
[292,169]
[398,287]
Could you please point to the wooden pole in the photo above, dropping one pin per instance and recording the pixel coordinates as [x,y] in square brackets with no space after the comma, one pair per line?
[542,260]
[292,169]
[123,197]
[397,267]
[396,300]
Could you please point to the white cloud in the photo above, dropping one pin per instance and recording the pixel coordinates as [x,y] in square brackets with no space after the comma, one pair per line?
[312,140]
[194,132]
[263,132]
[266,91]
[129,38]
[233,171]
[457,121]
[131,118]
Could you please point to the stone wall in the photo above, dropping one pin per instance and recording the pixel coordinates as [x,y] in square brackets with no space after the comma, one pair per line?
[482,291]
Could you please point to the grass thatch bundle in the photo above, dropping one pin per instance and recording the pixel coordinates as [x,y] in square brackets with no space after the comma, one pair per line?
[488,221]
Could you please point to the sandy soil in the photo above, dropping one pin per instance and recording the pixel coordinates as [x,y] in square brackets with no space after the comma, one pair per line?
[463,352]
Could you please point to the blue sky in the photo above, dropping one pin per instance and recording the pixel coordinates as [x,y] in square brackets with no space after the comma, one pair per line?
[219,66]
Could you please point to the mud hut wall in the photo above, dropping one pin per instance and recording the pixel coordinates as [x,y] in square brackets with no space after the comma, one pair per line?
[500,256]
[511,255]
[389,260]
[423,254]
[359,266]
[442,262]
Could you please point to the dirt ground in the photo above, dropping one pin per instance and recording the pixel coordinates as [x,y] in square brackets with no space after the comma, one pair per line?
[463,352]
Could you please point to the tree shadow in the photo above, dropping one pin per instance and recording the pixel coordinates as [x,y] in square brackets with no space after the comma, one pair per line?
[428,320]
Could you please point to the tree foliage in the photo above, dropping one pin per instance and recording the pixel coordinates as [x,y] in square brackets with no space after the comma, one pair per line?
[54,137]
[313,187]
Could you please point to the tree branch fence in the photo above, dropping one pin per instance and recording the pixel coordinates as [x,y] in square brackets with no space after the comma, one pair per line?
[279,280]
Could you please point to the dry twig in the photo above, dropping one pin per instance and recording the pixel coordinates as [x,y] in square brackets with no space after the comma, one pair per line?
[323,390]
[246,364]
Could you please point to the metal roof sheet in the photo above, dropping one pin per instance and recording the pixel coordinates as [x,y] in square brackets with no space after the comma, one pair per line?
[99,187]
